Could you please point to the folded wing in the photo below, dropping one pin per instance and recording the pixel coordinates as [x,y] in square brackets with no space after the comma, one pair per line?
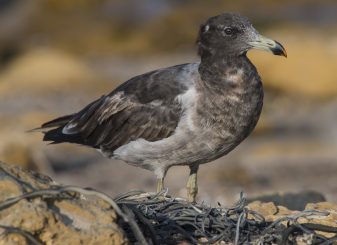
[143,107]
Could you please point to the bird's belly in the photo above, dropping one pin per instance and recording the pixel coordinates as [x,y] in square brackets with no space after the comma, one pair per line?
[191,147]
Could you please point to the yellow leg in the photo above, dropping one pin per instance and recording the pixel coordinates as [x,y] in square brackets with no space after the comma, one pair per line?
[160,184]
[192,186]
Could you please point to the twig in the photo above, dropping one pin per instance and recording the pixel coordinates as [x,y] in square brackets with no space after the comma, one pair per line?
[31,239]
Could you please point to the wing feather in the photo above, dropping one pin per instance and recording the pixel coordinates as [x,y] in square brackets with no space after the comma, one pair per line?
[143,107]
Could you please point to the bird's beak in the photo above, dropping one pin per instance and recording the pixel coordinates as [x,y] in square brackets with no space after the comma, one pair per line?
[267,44]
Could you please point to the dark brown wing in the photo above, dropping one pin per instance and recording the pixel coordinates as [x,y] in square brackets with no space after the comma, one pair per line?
[143,107]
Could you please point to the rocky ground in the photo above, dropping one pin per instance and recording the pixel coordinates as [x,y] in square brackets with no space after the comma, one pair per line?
[36,210]
[54,220]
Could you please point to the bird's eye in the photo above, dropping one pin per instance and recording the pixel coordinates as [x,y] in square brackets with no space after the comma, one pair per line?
[228,31]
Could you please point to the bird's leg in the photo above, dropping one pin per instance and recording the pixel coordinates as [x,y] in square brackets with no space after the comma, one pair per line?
[160,184]
[192,186]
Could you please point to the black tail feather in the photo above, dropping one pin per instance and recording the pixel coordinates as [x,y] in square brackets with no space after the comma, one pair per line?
[56,136]
[53,131]
[60,121]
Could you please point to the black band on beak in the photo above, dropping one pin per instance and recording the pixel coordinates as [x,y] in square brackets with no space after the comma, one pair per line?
[279,49]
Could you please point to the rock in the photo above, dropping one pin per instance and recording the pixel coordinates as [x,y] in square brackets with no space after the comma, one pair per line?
[84,220]
[43,70]
[293,201]
[322,206]
[49,72]
[329,220]
[322,213]
[269,210]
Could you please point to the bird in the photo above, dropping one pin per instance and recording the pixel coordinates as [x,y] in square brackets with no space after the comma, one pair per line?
[187,114]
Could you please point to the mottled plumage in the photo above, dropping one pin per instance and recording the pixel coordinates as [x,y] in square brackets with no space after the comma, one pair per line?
[187,114]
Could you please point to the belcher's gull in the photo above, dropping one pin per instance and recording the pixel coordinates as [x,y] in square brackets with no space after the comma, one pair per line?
[187,114]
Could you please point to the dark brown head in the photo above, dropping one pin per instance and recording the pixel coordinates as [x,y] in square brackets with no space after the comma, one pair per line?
[233,35]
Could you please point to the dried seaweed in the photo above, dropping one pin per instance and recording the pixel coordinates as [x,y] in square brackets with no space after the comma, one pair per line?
[167,220]
[173,220]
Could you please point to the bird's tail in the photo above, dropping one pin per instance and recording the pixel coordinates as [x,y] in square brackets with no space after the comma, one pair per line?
[58,122]
[53,130]
[68,128]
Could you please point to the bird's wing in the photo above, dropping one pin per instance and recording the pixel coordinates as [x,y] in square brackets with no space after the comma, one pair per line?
[143,107]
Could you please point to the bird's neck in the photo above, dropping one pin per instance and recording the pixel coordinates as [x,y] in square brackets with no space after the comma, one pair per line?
[232,75]
[216,68]
[221,57]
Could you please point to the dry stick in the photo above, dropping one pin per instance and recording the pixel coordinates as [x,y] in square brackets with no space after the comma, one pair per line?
[237,230]
[305,213]
[128,194]
[314,227]
[330,241]
[135,228]
[27,185]
[141,217]
[31,239]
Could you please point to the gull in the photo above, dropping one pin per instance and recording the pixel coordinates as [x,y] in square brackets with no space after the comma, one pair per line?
[188,114]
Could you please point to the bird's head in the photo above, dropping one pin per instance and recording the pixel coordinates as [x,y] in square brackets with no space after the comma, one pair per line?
[233,35]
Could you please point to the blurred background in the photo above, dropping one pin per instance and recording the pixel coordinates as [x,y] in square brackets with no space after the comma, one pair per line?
[58,55]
